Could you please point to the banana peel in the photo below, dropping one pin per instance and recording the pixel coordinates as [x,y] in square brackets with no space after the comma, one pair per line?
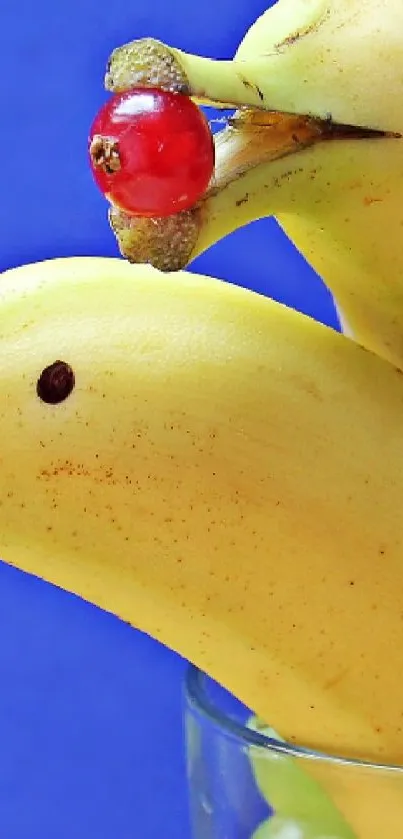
[224,474]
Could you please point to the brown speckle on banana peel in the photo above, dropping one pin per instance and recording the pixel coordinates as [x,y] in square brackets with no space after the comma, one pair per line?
[169,243]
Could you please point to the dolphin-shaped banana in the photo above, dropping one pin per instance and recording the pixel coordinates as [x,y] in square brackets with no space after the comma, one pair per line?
[223,473]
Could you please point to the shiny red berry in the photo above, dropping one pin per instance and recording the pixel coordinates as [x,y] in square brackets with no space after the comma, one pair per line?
[151,152]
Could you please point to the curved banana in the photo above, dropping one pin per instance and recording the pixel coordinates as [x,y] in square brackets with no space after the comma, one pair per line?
[335,186]
[226,475]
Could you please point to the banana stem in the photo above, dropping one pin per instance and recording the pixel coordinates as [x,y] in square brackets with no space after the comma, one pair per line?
[151,63]
[252,140]
[220,83]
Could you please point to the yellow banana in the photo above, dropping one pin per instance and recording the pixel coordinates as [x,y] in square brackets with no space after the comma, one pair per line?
[335,188]
[225,474]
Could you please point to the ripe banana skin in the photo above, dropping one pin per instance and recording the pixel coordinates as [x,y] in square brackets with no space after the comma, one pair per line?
[341,204]
[226,475]
[337,193]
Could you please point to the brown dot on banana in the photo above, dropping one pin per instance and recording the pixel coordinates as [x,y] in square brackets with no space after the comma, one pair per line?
[334,185]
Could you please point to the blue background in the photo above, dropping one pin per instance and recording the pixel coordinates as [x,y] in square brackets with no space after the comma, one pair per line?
[90,711]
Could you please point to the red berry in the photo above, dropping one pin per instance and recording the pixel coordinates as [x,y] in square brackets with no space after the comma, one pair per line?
[151,152]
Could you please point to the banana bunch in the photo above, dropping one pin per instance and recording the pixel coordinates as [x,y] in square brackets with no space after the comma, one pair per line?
[224,474]
[315,141]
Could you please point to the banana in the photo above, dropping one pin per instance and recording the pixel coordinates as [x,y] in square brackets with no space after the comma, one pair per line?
[315,142]
[224,474]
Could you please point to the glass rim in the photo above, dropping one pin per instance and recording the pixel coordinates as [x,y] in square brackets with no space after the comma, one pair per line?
[197,699]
